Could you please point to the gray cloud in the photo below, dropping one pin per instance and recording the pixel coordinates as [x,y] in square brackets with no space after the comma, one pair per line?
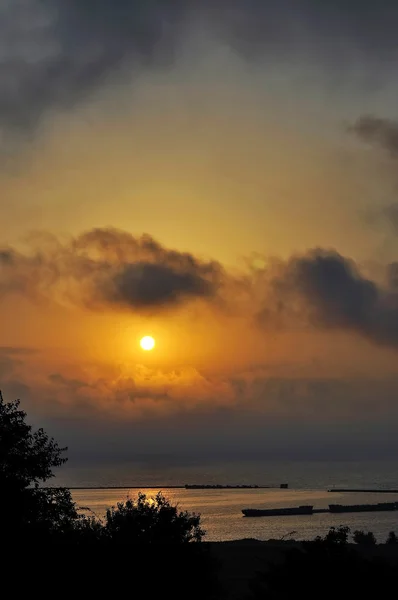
[146,284]
[108,267]
[283,417]
[112,269]
[53,53]
[327,290]
[377,131]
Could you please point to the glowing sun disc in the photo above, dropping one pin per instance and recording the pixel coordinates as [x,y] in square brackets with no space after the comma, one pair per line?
[147,343]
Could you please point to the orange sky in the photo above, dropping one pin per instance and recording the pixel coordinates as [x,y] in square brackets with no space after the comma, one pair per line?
[248,163]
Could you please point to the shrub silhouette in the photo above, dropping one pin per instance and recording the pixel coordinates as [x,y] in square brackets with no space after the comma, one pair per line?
[150,521]
[392,538]
[326,567]
[364,539]
[335,537]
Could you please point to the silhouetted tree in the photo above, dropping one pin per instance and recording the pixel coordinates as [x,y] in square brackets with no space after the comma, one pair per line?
[364,539]
[148,543]
[392,538]
[27,458]
[334,537]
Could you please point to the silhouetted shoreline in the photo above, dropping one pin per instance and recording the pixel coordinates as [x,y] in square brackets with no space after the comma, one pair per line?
[241,559]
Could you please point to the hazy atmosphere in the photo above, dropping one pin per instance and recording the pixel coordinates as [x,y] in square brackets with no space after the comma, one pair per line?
[218,175]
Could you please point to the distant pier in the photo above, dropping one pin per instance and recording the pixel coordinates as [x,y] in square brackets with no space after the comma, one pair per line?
[242,486]
[187,486]
[218,486]
[364,491]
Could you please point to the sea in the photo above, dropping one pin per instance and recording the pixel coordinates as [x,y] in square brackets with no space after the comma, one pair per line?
[221,509]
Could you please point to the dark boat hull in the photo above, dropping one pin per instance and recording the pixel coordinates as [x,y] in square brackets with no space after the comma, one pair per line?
[278,512]
[381,506]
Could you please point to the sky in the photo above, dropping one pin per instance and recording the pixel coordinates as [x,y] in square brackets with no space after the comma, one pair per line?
[220,175]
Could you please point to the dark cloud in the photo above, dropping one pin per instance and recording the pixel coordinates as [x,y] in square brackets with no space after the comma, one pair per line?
[55,52]
[112,269]
[58,50]
[280,418]
[108,267]
[229,416]
[74,385]
[334,31]
[377,131]
[146,284]
[327,290]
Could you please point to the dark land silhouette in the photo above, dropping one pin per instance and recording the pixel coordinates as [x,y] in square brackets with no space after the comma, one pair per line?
[149,547]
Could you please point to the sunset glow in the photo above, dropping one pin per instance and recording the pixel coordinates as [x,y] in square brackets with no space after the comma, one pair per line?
[200,225]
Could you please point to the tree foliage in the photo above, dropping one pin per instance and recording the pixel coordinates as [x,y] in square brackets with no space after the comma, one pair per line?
[152,520]
[48,520]
[27,457]
[334,537]
[364,538]
[392,538]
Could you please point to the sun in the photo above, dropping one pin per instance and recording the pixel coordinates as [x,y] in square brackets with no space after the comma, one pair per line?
[147,343]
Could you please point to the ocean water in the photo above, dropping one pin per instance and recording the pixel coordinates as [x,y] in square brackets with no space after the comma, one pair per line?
[221,509]
[310,475]
[223,520]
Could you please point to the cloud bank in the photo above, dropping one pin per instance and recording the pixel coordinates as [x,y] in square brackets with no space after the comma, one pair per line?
[186,413]
[328,291]
[55,53]
[109,269]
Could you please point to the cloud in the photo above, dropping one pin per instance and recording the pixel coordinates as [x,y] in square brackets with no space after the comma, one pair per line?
[11,358]
[135,412]
[378,132]
[327,291]
[186,412]
[139,393]
[108,268]
[55,53]
[385,217]
[12,363]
